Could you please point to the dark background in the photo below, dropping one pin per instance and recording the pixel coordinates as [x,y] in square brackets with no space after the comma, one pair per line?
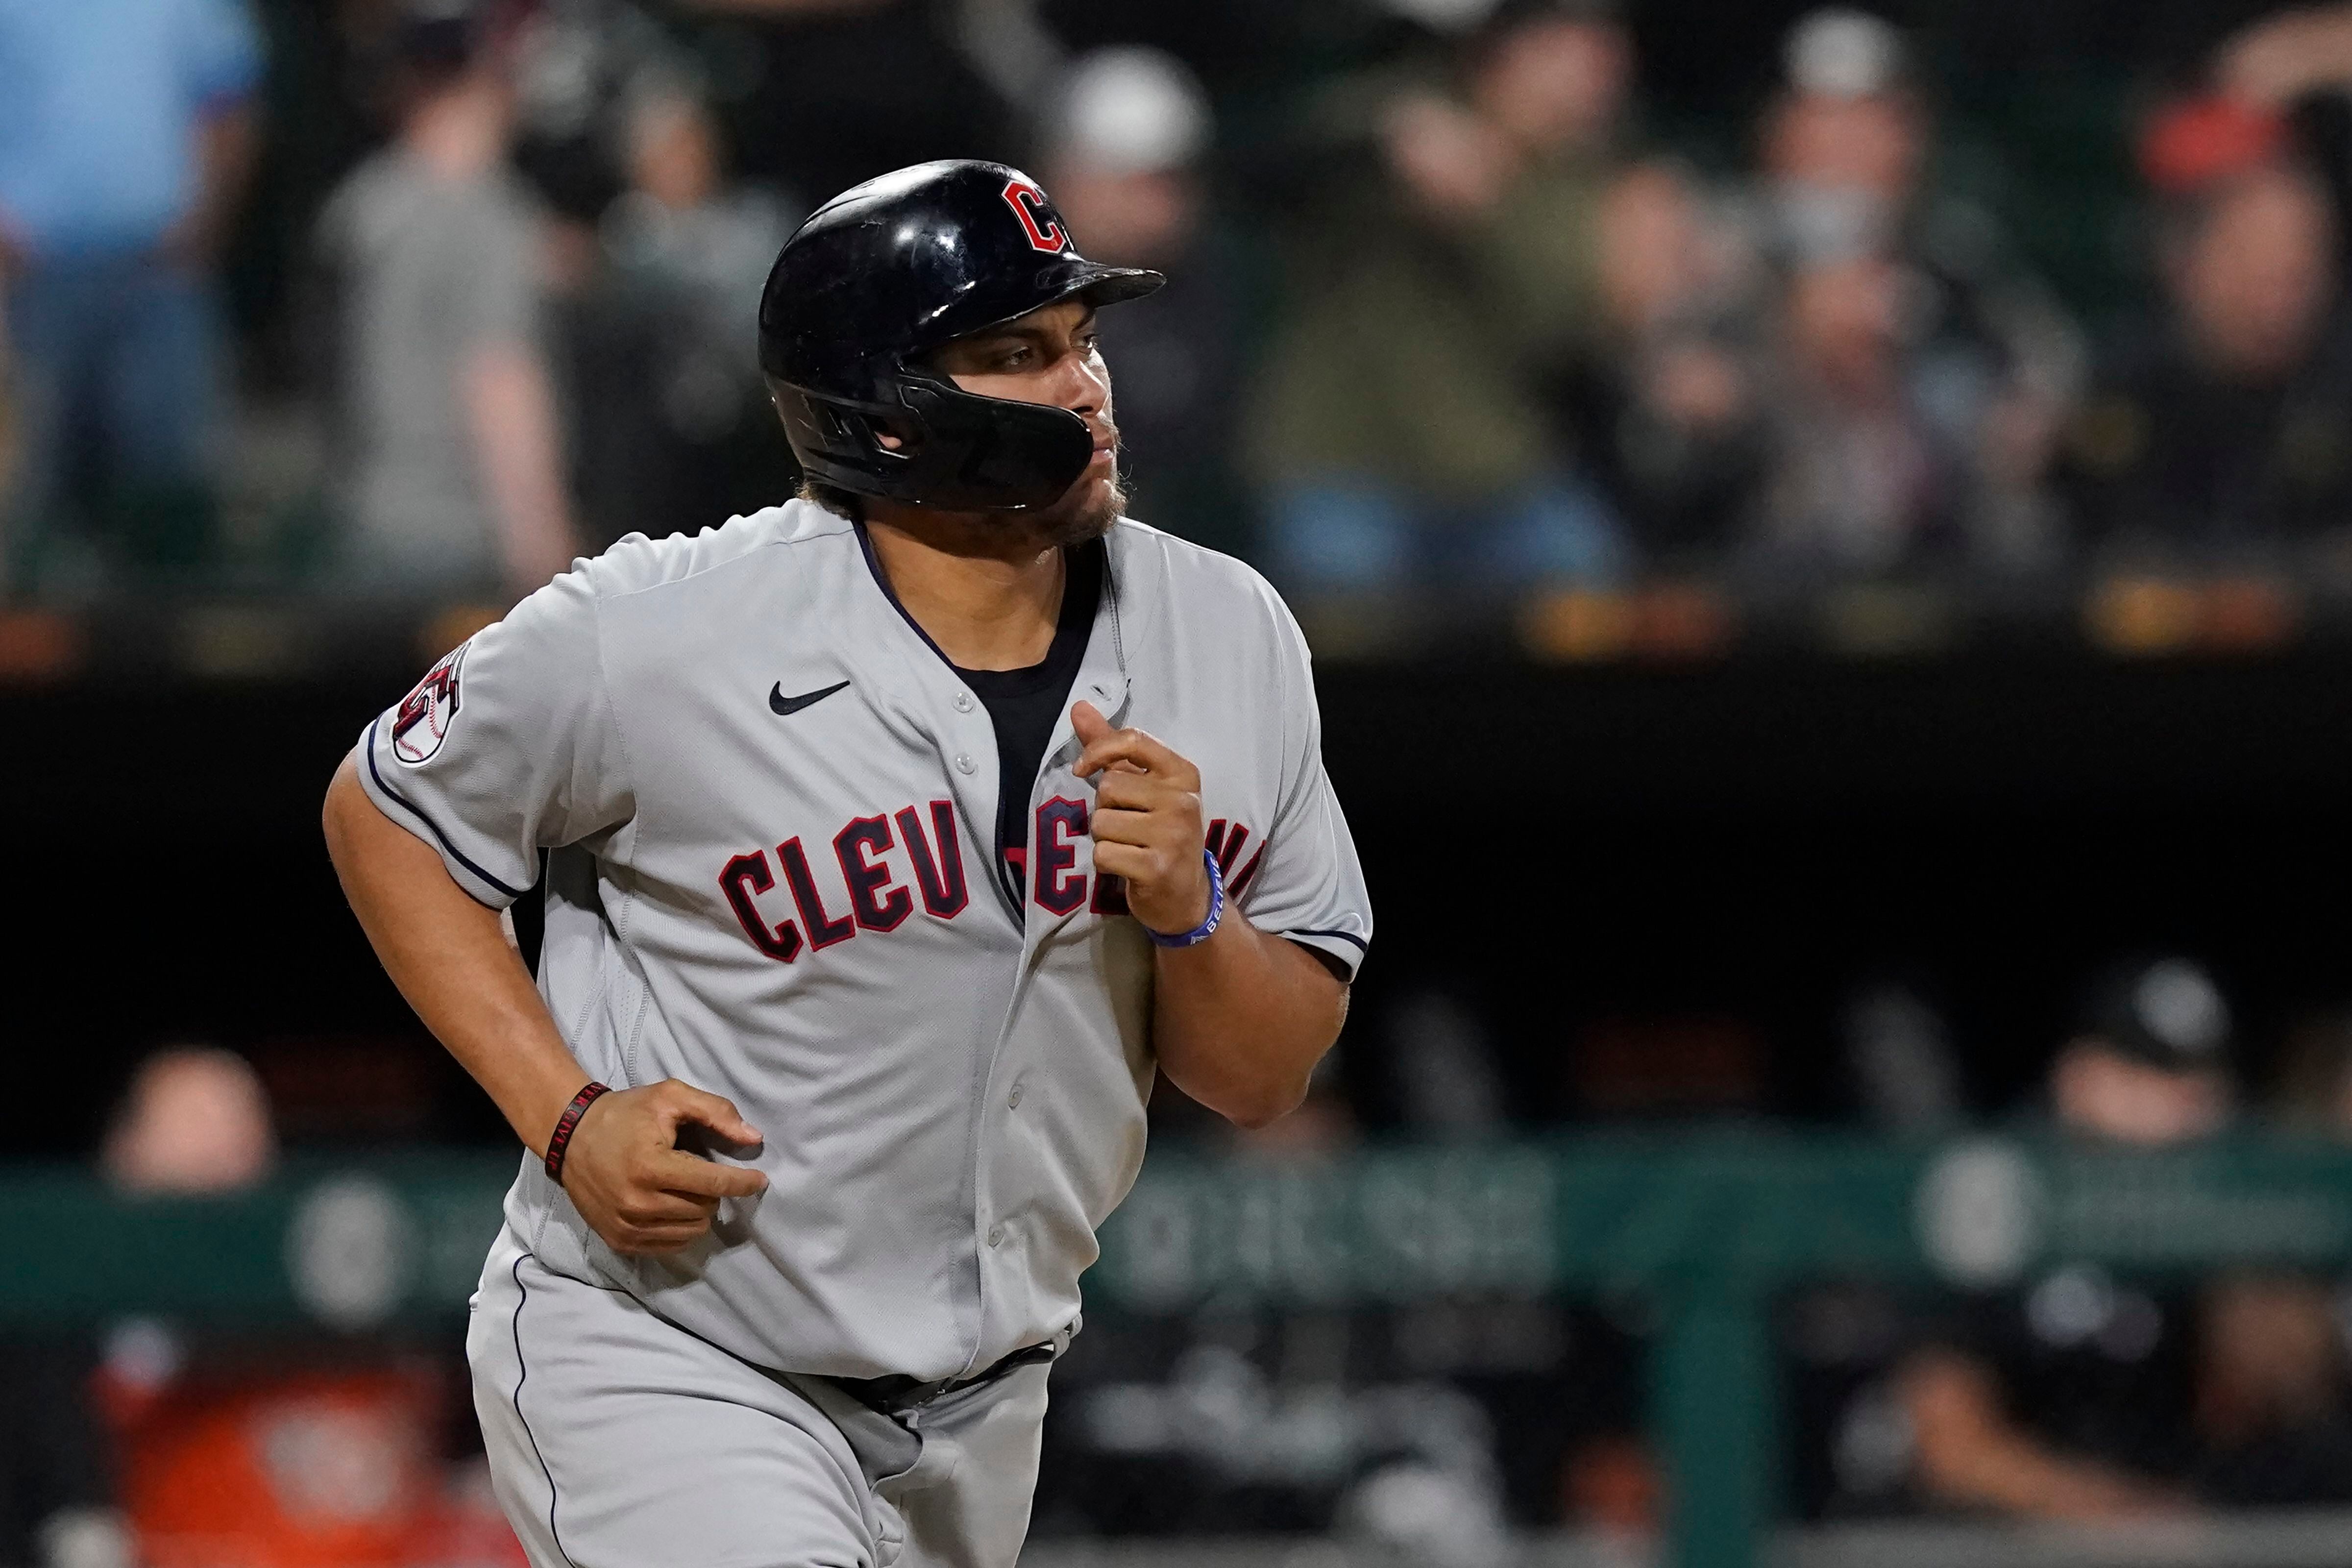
[1563,850]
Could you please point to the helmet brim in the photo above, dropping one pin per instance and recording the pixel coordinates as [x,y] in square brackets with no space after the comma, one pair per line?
[1095,282]
[1113,285]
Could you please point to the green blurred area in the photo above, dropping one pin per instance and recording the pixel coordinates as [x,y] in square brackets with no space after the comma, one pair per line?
[1706,1229]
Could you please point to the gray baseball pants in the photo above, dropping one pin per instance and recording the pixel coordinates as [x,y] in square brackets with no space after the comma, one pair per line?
[617,1440]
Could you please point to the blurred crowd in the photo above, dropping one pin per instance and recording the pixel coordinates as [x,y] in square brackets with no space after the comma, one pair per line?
[2081,1395]
[1453,314]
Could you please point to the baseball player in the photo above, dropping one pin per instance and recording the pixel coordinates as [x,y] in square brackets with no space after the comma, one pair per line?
[895,839]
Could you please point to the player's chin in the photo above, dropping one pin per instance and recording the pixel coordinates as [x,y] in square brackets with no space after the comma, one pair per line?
[1085,511]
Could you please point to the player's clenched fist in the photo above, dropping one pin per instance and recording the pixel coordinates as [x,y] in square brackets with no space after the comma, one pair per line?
[1147,822]
[631,1181]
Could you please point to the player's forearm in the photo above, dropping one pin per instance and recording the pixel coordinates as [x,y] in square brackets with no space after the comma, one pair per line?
[2016,1475]
[1973,1453]
[1240,1020]
[451,961]
[516,439]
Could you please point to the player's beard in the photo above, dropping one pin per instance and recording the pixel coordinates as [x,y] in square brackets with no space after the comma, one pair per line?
[1085,511]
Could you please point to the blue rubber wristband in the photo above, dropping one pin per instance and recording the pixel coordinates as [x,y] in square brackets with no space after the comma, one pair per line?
[1207,927]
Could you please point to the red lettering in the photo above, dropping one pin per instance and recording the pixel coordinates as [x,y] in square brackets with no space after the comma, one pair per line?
[1060,887]
[823,930]
[874,899]
[939,876]
[744,876]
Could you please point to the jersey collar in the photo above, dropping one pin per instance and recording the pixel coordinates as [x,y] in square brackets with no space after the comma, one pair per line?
[1102,673]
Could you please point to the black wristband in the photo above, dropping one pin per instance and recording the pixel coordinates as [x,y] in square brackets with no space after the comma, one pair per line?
[561,1139]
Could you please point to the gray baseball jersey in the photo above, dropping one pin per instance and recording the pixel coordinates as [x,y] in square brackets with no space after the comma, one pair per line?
[770,804]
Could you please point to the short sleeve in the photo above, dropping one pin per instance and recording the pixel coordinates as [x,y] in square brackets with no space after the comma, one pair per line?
[1309,886]
[508,746]
[221,58]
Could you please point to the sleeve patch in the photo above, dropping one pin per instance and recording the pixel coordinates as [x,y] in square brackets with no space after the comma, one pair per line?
[427,713]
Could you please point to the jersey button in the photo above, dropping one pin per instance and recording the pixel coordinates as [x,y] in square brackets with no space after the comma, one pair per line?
[1014,1099]
[996,1235]
[964,764]
[964,701]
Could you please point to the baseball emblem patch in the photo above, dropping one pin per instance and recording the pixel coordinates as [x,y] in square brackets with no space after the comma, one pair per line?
[427,713]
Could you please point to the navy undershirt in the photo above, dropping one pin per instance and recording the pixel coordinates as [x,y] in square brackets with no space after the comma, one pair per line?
[1025,704]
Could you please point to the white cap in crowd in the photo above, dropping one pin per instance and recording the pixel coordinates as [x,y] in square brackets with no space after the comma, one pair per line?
[1132,112]
[1844,53]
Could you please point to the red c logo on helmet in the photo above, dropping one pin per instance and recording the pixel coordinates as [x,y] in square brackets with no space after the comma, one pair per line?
[1028,204]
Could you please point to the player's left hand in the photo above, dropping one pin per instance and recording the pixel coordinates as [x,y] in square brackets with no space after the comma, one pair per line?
[1146,823]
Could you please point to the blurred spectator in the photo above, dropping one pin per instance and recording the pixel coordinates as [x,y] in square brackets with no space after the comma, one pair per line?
[2094,1397]
[264,1456]
[2313,1089]
[1667,412]
[196,1121]
[2297,50]
[578,66]
[1847,141]
[1915,375]
[1901,1059]
[1443,1082]
[2270,1395]
[1126,138]
[672,418]
[1440,289]
[126,136]
[2225,430]
[451,473]
[1858,481]
[193,1122]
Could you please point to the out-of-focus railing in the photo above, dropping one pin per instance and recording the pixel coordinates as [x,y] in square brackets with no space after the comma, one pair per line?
[2285,1539]
[1665,621]
[1709,1228]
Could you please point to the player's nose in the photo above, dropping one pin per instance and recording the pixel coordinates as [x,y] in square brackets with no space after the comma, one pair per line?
[1083,388]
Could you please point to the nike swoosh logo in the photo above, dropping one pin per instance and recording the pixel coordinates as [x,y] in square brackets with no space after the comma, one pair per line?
[784,705]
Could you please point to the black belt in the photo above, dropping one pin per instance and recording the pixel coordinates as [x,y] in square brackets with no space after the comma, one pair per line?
[895,1394]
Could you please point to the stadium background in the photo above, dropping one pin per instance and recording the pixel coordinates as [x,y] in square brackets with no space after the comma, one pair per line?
[1734,907]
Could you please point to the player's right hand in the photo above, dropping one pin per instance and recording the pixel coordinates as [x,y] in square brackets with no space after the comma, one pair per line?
[632,1182]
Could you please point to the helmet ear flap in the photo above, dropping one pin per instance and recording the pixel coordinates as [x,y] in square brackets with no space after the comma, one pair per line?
[957,449]
[846,429]
[825,428]
[991,453]
[876,434]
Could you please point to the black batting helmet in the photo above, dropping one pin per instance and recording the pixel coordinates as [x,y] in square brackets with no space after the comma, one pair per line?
[888,271]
